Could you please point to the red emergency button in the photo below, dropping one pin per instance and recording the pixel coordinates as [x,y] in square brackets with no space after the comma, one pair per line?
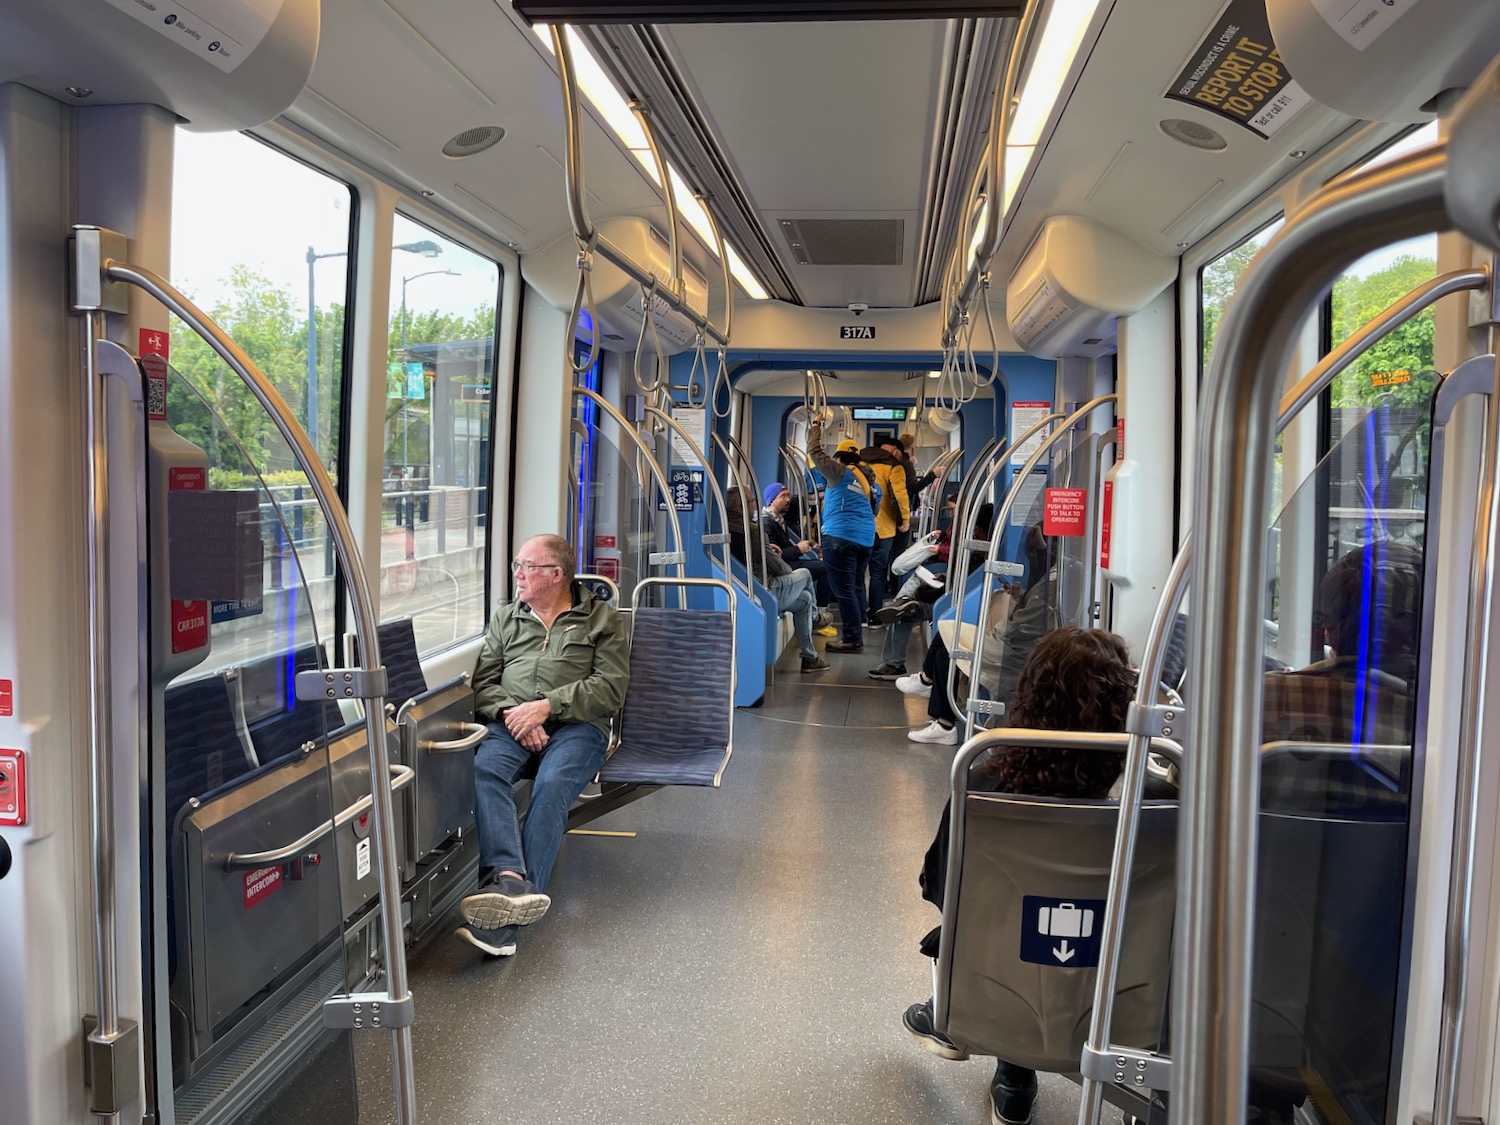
[12,787]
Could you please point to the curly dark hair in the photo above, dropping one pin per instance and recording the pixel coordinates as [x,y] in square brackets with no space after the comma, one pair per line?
[1075,679]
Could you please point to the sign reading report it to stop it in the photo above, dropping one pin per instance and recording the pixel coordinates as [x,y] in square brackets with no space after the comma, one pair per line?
[1065,511]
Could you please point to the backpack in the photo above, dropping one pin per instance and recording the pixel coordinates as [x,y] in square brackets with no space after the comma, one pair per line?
[873,490]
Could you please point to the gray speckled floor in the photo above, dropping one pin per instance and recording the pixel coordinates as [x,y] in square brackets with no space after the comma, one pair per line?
[745,958]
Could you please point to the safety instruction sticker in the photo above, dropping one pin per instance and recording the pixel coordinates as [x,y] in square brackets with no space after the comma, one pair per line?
[189,618]
[1237,73]
[221,32]
[154,366]
[1027,508]
[693,422]
[362,859]
[1361,22]
[260,884]
[1024,415]
[1064,933]
[7,699]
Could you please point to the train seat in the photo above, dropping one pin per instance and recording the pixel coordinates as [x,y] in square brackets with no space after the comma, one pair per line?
[676,723]
[1021,938]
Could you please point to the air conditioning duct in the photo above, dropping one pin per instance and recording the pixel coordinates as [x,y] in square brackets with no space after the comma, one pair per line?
[619,302]
[1077,277]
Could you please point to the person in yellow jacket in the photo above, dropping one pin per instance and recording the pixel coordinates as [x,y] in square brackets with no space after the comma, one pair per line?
[893,516]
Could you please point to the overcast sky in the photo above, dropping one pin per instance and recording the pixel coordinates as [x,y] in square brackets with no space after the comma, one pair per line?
[236,201]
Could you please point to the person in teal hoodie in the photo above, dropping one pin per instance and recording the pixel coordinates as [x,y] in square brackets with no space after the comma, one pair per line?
[850,500]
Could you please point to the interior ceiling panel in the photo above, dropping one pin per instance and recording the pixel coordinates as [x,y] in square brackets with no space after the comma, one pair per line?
[747,11]
[1109,159]
[414,73]
[839,135]
[845,242]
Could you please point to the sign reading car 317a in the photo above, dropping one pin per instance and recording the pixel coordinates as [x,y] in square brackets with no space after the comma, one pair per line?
[856,332]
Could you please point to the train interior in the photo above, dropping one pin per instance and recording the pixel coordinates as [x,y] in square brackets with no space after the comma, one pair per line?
[1181,321]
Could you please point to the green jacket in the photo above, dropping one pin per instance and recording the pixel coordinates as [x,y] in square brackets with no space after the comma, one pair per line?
[581,666]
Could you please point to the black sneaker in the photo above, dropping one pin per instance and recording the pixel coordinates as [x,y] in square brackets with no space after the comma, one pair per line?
[918,1023]
[1012,1094]
[504,901]
[888,672]
[492,943]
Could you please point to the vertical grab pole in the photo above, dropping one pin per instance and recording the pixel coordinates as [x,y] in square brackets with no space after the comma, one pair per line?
[1471,752]
[1221,784]
[398,997]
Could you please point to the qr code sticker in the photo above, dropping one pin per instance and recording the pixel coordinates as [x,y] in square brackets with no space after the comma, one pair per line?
[156,397]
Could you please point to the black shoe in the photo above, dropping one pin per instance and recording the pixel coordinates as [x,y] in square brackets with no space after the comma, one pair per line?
[504,901]
[918,1023]
[902,609]
[1012,1094]
[844,646]
[493,943]
[888,672]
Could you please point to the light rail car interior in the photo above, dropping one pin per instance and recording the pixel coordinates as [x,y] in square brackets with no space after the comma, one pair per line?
[1006,489]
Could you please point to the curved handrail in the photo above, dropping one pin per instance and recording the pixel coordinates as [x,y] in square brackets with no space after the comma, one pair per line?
[991,449]
[941,469]
[401,777]
[725,445]
[674,243]
[473,735]
[650,459]
[799,487]
[583,227]
[362,608]
[997,537]
[697,451]
[1211,974]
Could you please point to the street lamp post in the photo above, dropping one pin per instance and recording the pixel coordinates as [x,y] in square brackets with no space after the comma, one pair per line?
[427,248]
[404,386]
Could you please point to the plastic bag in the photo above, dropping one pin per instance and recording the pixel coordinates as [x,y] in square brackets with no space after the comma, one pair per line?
[915,555]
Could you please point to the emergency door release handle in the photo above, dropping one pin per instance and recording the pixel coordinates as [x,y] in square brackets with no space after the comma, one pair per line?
[474,734]
[401,776]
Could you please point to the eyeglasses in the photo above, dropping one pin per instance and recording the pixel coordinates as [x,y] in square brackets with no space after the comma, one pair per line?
[528,567]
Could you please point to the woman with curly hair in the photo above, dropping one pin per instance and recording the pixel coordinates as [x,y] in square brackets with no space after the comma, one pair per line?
[1074,680]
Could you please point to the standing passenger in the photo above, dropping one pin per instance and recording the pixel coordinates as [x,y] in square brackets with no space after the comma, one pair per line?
[850,497]
[892,518]
[552,671]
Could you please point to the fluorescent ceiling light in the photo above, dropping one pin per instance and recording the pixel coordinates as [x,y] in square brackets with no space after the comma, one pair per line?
[1067,21]
[615,110]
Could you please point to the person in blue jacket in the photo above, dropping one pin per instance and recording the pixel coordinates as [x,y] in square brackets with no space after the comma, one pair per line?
[850,499]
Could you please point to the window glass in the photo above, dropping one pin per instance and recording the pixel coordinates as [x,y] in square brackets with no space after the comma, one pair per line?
[440,362]
[1217,282]
[260,242]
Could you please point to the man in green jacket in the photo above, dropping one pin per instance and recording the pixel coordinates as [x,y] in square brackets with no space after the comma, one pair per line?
[553,670]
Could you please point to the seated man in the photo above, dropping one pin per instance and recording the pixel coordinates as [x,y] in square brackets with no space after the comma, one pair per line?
[552,671]
[795,551]
[792,589]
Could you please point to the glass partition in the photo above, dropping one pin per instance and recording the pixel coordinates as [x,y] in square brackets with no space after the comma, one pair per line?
[253,881]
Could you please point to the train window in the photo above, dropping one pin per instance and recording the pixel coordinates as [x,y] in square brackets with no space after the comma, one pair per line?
[261,242]
[440,356]
[1217,282]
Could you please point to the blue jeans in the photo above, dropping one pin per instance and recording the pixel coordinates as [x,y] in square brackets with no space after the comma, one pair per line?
[880,565]
[794,594]
[847,563]
[566,764]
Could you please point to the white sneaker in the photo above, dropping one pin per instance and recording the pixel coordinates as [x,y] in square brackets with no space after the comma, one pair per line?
[935,733]
[914,685]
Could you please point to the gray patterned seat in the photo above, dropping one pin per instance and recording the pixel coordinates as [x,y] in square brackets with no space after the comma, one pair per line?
[675,726]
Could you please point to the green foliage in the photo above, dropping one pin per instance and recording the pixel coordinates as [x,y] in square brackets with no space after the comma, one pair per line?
[1357,300]
[1219,280]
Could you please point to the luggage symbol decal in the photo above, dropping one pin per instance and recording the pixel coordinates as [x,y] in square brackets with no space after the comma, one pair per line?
[1063,933]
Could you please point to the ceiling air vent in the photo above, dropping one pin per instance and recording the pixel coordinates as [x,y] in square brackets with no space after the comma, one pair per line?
[845,242]
[1193,134]
[471,141]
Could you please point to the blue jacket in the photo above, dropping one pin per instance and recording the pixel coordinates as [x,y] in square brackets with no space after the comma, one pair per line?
[847,513]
